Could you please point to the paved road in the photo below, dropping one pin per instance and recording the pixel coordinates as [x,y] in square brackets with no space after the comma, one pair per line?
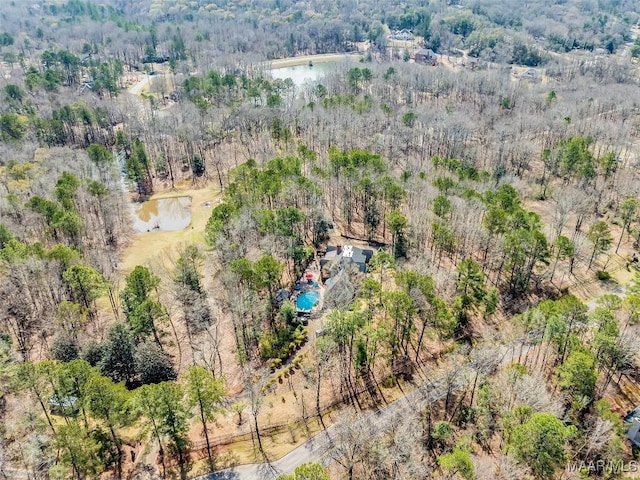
[318,447]
[310,451]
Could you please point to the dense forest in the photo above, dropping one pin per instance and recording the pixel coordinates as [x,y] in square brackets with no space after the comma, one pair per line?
[413,268]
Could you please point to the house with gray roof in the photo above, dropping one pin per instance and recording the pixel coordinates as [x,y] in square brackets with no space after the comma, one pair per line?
[348,254]
[403,34]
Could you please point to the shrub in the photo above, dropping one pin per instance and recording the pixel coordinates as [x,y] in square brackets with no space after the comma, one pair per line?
[275,363]
[389,381]
[603,275]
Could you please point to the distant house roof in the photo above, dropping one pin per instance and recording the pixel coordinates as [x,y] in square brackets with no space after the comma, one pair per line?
[282,295]
[403,34]
[633,415]
[355,254]
[633,433]
[60,401]
[426,52]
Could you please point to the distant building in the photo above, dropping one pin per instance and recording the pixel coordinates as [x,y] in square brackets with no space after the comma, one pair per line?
[529,73]
[426,56]
[403,34]
[63,404]
[633,433]
[632,423]
[282,295]
[155,59]
[62,401]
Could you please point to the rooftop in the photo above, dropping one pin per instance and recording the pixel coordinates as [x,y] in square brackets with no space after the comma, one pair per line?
[354,254]
[426,52]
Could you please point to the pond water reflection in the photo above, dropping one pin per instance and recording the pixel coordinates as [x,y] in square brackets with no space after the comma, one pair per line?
[162,214]
[301,74]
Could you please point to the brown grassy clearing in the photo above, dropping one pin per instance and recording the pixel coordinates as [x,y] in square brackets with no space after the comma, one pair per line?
[153,247]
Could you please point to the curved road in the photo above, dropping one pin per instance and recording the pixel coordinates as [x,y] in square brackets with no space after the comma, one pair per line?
[310,451]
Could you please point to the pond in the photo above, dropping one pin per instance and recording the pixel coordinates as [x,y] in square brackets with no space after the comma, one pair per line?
[301,74]
[162,214]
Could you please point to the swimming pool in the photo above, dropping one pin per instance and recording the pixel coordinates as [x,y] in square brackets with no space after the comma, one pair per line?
[307,300]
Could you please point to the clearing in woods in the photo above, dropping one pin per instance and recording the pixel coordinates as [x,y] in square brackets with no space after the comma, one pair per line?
[149,247]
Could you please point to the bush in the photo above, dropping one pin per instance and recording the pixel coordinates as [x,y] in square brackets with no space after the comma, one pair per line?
[603,275]
[268,346]
[389,381]
[198,166]
[269,385]
[288,312]
[275,363]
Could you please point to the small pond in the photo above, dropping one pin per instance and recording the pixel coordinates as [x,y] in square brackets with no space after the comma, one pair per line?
[162,214]
[301,74]
[307,300]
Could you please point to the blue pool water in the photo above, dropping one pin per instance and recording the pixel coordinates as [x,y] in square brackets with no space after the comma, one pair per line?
[307,300]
